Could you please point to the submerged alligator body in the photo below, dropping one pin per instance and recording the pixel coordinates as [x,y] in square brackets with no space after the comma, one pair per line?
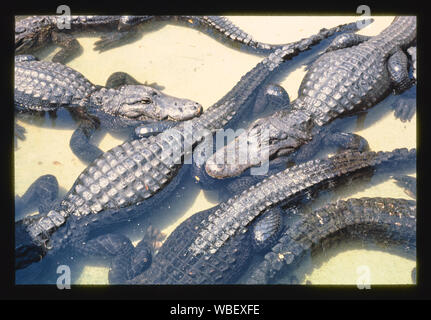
[384,220]
[35,32]
[135,176]
[48,86]
[354,74]
[214,246]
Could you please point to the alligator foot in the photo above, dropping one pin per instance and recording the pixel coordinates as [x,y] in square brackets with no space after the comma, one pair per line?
[112,40]
[80,142]
[126,261]
[41,195]
[405,108]
[270,98]
[19,132]
[127,267]
[117,247]
[70,47]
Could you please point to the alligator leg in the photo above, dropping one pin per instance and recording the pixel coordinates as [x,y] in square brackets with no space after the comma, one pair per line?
[41,194]
[326,139]
[80,141]
[70,47]
[405,106]
[113,39]
[398,72]
[270,98]
[346,141]
[267,228]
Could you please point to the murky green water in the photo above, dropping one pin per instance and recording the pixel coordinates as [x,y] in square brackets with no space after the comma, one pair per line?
[190,64]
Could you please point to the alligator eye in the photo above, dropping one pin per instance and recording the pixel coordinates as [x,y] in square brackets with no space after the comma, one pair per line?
[146,101]
[154,93]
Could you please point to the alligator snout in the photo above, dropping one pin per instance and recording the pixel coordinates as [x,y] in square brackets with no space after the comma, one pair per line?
[184,110]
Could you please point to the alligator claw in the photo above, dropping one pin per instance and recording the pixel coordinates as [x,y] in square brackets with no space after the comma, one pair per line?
[110,41]
[404,109]
[19,132]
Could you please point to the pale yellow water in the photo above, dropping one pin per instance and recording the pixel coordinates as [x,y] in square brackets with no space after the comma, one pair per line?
[192,65]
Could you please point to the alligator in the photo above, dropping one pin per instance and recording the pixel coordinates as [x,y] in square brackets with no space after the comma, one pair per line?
[137,175]
[354,74]
[35,32]
[47,86]
[214,246]
[385,220]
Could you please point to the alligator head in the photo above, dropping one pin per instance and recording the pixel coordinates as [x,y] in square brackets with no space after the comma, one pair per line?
[265,139]
[26,250]
[29,33]
[139,102]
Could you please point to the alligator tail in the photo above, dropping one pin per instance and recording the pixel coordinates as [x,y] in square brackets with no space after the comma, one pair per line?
[354,218]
